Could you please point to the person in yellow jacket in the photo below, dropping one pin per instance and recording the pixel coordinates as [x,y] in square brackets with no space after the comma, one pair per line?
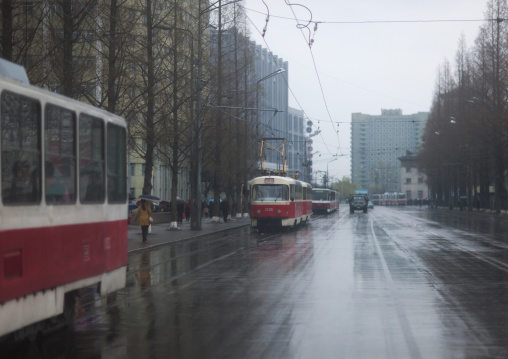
[143,213]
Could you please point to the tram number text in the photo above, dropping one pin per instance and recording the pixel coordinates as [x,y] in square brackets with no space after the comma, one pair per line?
[268,209]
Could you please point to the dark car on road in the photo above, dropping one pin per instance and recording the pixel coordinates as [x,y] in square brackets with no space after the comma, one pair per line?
[358,202]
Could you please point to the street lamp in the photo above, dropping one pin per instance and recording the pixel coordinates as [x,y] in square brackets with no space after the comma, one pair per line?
[279,71]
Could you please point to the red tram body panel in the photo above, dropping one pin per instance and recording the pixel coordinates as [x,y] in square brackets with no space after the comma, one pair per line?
[29,255]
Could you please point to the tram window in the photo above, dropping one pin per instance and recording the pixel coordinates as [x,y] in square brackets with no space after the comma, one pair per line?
[270,192]
[116,164]
[298,193]
[60,155]
[21,149]
[91,159]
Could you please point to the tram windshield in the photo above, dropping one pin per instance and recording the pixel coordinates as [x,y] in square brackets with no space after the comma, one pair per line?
[270,192]
[320,196]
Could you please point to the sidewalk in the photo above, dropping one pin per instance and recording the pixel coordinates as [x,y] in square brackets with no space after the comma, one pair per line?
[162,234]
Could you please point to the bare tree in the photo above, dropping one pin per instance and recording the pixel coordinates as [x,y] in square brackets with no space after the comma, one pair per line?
[466,136]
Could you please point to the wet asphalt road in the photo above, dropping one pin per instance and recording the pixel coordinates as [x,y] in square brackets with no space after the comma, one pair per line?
[393,283]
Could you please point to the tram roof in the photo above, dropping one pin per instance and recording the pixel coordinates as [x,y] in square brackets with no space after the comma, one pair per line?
[16,81]
[278,179]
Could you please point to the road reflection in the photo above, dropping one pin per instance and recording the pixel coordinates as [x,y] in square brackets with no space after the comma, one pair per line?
[393,283]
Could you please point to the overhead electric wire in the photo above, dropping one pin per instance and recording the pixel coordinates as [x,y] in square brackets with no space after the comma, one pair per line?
[316,70]
[380,21]
[284,77]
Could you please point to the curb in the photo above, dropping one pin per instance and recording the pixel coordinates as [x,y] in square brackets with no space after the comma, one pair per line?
[197,235]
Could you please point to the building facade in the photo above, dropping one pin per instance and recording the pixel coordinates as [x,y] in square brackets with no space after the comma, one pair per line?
[272,104]
[377,141]
[296,152]
[412,178]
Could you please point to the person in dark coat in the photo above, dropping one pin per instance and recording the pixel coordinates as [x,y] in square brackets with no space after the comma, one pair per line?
[187,211]
[179,211]
[206,209]
[224,207]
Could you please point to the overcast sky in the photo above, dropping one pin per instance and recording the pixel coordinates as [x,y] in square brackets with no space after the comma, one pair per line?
[364,66]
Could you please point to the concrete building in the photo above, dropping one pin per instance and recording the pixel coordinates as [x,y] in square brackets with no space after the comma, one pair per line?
[296,152]
[272,100]
[412,178]
[283,121]
[377,141]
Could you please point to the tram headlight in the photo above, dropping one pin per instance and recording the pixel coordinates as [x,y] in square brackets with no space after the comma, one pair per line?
[279,211]
[259,211]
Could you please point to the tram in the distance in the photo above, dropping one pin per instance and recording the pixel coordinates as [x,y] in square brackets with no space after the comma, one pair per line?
[63,205]
[279,202]
[324,200]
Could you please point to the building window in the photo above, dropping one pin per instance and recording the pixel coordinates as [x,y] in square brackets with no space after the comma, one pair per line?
[408,180]
[420,180]
[143,169]
[132,170]
[420,194]
[408,194]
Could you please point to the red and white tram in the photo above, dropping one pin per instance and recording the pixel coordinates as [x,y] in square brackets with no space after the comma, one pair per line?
[63,207]
[279,202]
[401,199]
[392,199]
[324,200]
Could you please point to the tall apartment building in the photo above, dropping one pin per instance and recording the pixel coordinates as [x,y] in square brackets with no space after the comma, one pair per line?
[296,152]
[377,141]
[272,98]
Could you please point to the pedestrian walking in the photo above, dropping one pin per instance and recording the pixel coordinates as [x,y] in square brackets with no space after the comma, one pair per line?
[224,207]
[206,209]
[180,210]
[143,214]
[187,211]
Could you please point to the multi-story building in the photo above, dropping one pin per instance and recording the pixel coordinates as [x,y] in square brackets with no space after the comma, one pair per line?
[413,179]
[272,103]
[296,151]
[377,141]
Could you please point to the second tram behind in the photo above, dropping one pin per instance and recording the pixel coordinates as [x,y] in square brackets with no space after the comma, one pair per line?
[279,202]
[324,200]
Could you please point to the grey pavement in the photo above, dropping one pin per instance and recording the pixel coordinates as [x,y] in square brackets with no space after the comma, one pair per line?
[161,233]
